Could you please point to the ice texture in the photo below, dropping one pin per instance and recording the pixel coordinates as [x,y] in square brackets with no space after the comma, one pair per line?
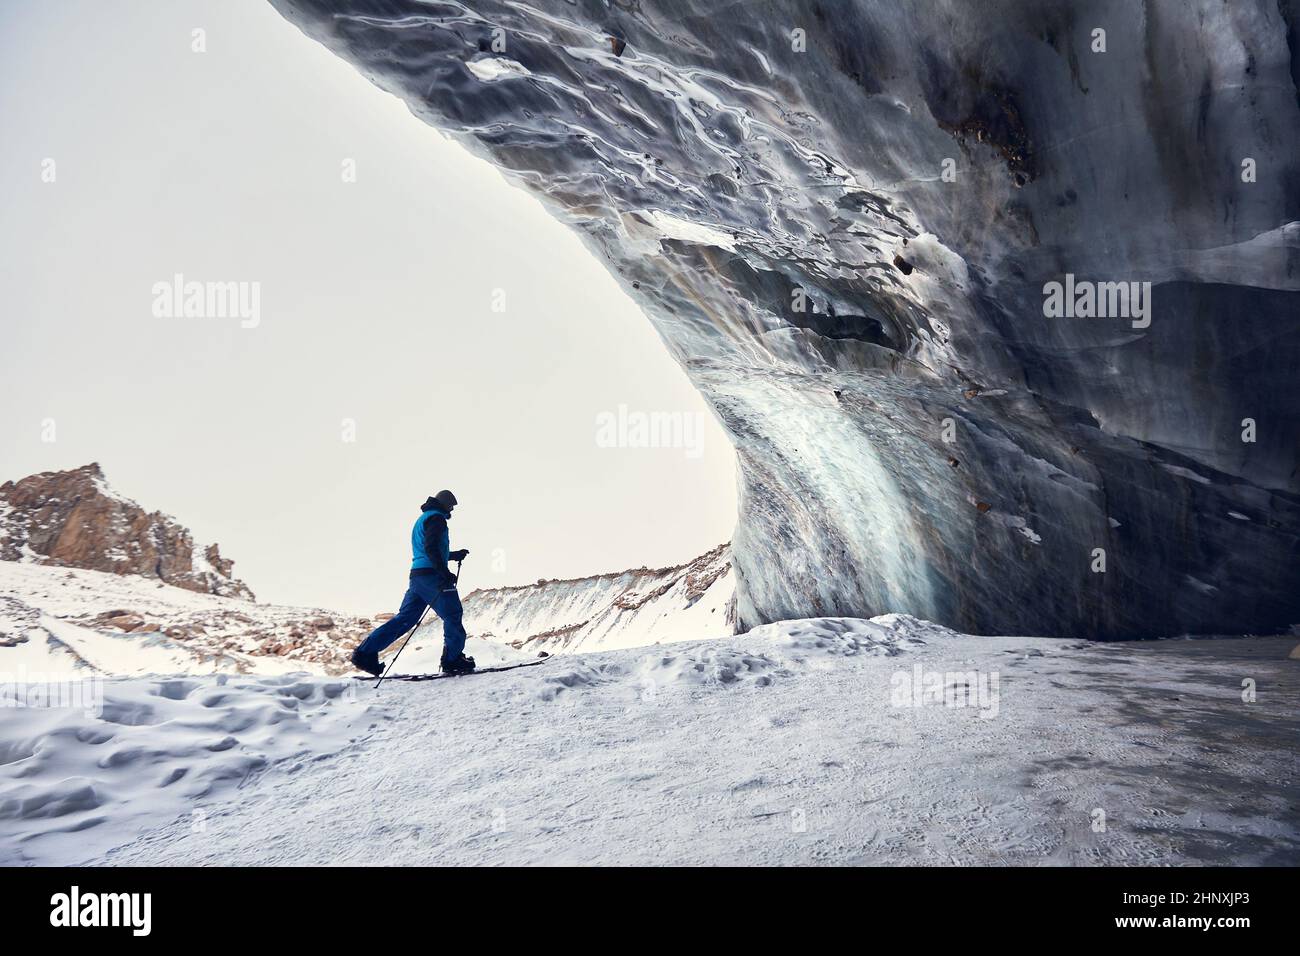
[729,174]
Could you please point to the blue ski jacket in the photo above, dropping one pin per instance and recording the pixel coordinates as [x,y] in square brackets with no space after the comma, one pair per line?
[431,545]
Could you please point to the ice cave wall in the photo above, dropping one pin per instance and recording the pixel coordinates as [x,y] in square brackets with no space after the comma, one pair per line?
[841,217]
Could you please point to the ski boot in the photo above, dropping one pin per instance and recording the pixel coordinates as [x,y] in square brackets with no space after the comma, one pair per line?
[367,662]
[461,665]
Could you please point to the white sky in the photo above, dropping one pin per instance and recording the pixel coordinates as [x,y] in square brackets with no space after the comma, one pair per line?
[375,305]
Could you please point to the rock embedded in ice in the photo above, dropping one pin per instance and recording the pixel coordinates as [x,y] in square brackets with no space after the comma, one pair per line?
[843,220]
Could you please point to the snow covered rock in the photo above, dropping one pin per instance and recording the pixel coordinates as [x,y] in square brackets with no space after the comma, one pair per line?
[91,581]
[56,619]
[849,223]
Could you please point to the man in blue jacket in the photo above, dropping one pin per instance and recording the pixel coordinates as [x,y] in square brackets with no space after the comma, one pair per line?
[432,585]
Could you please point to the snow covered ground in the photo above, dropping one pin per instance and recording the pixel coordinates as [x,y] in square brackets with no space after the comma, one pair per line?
[130,755]
[54,617]
[74,619]
[820,741]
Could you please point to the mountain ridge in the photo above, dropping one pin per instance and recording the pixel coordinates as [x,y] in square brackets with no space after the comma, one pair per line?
[635,607]
[74,518]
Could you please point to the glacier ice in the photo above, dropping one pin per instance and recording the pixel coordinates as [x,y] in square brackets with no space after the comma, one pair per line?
[841,218]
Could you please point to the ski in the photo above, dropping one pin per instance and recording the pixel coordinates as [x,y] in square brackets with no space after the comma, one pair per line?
[479,670]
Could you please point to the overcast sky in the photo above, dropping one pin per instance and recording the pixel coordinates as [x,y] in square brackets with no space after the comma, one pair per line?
[376,318]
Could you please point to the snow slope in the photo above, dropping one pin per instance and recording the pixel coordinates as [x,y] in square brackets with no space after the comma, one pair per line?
[77,781]
[817,741]
[606,611]
[66,619]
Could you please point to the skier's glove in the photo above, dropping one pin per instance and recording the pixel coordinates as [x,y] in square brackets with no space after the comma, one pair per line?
[460,555]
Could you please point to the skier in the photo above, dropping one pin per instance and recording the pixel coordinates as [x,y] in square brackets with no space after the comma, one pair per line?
[431,585]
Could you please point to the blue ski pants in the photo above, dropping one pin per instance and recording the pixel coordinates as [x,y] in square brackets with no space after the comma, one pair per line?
[425,591]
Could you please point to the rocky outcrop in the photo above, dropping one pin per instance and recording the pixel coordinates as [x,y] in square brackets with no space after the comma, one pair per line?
[847,221]
[691,601]
[74,519]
